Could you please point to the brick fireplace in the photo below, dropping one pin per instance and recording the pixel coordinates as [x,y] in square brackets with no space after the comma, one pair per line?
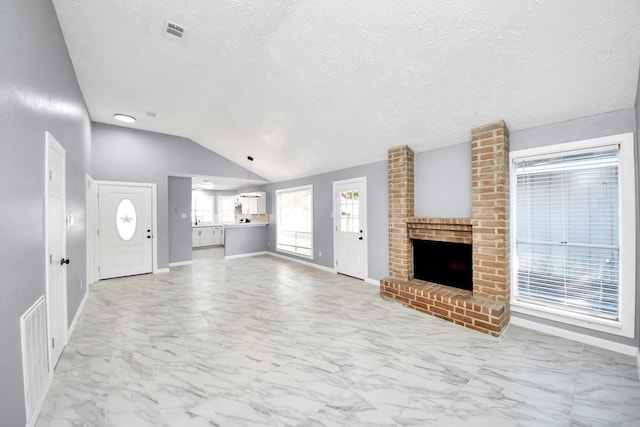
[486,307]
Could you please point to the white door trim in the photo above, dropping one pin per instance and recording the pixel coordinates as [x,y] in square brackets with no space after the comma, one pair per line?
[336,215]
[154,213]
[50,141]
[91,230]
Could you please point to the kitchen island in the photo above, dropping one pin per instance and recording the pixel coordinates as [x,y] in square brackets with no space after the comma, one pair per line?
[244,239]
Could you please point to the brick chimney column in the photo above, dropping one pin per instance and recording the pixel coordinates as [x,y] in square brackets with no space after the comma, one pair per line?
[490,177]
[401,207]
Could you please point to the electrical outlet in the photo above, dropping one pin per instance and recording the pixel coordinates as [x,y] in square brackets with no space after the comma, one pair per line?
[268,244]
[320,254]
[81,284]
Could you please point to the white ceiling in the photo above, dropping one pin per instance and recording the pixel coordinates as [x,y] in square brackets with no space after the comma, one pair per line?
[311,86]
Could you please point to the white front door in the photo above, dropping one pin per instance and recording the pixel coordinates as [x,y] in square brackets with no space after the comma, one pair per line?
[126,229]
[56,249]
[350,227]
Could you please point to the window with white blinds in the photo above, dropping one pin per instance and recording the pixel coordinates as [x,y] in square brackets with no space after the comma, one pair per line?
[567,238]
[567,232]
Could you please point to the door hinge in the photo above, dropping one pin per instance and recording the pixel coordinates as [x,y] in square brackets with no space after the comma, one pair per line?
[50,175]
[98,232]
[336,262]
[53,343]
[50,258]
[98,269]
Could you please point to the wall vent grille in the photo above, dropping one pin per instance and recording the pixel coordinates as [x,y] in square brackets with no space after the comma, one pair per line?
[35,365]
[175,30]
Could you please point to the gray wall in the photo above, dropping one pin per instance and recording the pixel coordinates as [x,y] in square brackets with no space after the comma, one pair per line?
[179,199]
[123,154]
[606,124]
[377,212]
[244,240]
[443,182]
[38,93]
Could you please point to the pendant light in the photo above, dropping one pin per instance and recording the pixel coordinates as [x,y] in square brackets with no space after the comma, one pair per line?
[250,195]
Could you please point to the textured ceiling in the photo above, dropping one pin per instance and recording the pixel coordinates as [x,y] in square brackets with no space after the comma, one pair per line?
[311,86]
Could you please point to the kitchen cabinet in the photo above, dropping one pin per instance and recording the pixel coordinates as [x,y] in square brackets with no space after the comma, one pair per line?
[218,235]
[207,236]
[254,205]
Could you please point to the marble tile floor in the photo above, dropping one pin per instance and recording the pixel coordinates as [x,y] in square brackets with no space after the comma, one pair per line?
[263,341]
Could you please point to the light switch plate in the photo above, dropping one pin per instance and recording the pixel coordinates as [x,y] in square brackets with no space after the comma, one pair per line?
[183,216]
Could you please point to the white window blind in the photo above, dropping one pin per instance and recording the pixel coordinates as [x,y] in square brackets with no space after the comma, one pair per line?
[567,248]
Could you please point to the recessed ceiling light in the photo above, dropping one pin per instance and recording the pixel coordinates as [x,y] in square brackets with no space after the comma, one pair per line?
[125,118]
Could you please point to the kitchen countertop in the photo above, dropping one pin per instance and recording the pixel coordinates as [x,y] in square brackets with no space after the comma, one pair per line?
[206,225]
[246,224]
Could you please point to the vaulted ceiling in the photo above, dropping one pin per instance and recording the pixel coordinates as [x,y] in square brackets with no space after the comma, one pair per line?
[311,86]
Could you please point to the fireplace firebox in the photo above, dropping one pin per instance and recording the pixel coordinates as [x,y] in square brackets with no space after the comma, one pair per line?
[445,263]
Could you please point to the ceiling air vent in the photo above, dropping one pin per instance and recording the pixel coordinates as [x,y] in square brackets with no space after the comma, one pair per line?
[175,30]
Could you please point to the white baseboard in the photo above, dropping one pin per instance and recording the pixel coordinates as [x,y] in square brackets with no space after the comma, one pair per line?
[162,270]
[245,255]
[626,349]
[371,281]
[79,311]
[299,261]
[179,263]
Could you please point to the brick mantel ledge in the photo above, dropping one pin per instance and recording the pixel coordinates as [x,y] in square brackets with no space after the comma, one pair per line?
[455,230]
[438,221]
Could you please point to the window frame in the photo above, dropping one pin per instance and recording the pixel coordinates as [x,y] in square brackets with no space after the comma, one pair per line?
[625,324]
[278,222]
[194,209]
[220,211]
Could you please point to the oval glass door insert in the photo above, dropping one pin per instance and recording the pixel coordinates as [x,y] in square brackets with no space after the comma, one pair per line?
[126,219]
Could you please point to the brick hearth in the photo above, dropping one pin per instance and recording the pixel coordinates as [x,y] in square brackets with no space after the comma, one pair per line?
[486,308]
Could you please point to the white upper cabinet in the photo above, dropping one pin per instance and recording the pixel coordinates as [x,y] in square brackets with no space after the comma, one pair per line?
[254,205]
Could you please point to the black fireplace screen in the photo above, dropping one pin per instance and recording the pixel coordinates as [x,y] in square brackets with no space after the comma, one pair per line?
[444,263]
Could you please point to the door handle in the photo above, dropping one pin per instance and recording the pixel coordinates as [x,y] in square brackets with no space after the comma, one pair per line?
[148,237]
[64,261]
[360,238]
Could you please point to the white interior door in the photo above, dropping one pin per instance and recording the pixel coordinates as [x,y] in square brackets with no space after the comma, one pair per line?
[126,229]
[56,249]
[350,227]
